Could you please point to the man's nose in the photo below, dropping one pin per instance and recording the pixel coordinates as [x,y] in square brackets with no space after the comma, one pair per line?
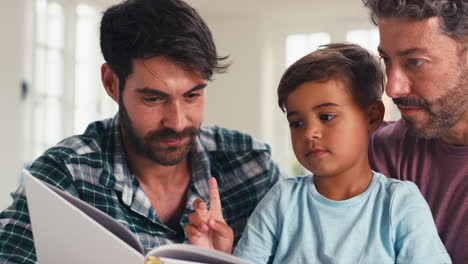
[175,116]
[398,84]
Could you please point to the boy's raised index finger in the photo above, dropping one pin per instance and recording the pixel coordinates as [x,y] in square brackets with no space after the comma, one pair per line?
[215,201]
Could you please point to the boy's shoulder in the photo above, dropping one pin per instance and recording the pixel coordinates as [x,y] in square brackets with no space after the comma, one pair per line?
[401,194]
[393,185]
[296,180]
[295,184]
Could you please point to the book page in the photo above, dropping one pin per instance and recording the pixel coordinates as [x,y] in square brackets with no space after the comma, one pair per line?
[106,221]
[195,254]
[64,234]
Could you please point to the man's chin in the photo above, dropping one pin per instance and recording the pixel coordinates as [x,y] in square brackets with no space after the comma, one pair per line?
[426,130]
[170,155]
[169,158]
[168,162]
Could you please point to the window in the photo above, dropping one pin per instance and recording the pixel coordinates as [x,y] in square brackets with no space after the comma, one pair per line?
[66,90]
[298,46]
[90,101]
[48,76]
[368,39]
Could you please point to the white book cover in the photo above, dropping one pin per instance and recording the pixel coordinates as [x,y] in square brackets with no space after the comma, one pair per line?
[68,230]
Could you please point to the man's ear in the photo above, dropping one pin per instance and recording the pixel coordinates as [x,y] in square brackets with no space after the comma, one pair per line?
[375,112]
[110,81]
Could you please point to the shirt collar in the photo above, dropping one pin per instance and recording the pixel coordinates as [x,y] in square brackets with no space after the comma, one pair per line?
[201,172]
[122,177]
[125,182]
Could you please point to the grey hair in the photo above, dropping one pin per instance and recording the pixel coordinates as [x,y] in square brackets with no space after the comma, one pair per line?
[452,14]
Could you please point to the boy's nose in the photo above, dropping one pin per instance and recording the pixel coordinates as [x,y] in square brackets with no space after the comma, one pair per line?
[312,132]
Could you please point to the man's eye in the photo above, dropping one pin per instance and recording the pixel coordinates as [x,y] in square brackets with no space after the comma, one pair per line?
[295,124]
[415,62]
[326,117]
[386,60]
[193,95]
[152,99]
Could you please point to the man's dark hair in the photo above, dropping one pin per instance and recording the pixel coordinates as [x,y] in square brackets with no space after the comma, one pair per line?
[142,29]
[452,14]
[350,63]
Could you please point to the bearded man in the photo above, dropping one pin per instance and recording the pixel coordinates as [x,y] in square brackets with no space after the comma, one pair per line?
[146,166]
[423,44]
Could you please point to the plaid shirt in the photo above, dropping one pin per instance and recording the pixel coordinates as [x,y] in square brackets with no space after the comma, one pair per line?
[93,167]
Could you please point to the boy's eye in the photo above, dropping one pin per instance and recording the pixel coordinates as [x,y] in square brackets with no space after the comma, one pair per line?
[326,117]
[295,124]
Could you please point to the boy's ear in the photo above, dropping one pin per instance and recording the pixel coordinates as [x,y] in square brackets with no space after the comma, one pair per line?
[110,81]
[375,112]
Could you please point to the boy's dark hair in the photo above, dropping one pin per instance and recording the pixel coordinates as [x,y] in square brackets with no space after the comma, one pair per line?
[142,29]
[346,62]
[453,14]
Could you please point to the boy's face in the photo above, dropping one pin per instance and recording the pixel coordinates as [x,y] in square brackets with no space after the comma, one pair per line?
[329,130]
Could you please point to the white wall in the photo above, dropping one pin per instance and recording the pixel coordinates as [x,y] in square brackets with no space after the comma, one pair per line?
[233,98]
[11,28]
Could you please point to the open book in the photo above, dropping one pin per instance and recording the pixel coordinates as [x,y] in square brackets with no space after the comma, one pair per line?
[68,230]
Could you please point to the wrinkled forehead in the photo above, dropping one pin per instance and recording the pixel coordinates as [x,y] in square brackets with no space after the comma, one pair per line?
[400,36]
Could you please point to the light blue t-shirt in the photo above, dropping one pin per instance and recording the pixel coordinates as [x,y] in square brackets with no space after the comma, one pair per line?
[390,222]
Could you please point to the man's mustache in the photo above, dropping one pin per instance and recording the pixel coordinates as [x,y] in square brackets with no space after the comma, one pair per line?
[169,134]
[406,101]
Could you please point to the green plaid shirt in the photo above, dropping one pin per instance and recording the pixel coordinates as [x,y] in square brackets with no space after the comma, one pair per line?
[92,167]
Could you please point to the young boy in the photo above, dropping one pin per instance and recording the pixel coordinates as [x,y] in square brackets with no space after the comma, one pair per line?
[344,212]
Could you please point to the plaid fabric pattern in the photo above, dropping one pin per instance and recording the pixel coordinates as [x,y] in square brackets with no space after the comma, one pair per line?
[92,167]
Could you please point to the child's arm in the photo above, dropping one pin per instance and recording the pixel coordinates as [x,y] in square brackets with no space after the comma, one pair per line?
[208,228]
[416,237]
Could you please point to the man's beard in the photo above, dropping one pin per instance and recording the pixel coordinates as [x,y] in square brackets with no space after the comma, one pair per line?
[444,112]
[148,146]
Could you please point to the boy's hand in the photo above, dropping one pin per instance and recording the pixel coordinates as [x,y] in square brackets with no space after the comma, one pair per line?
[207,228]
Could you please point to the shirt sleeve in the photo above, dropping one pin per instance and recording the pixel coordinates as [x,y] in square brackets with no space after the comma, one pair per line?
[16,242]
[16,238]
[416,237]
[259,240]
